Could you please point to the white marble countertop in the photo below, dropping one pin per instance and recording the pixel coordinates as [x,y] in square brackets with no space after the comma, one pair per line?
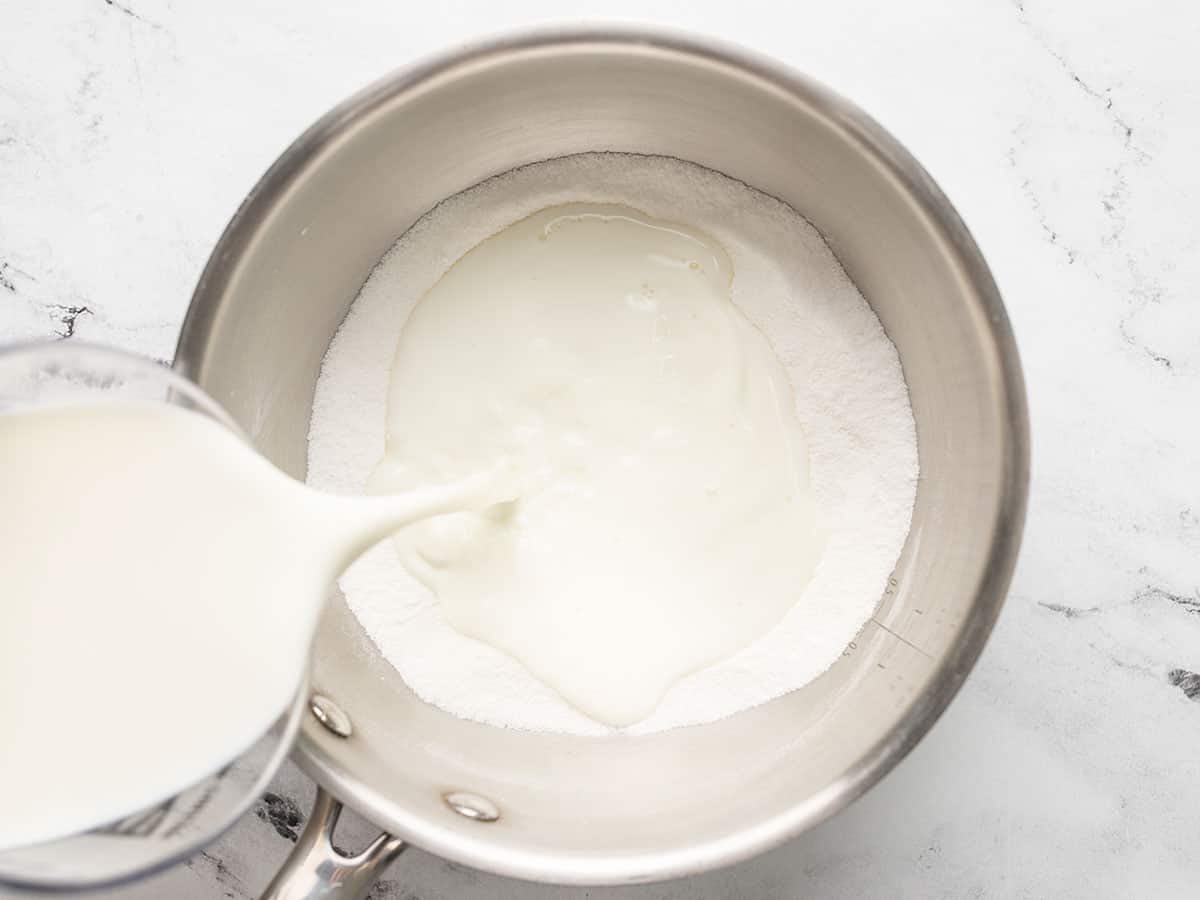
[1066,133]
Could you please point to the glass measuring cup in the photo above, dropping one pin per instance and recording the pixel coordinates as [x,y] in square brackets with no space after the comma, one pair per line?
[147,839]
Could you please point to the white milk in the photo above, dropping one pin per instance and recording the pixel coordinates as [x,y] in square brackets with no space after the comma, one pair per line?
[162,582]
[668,519]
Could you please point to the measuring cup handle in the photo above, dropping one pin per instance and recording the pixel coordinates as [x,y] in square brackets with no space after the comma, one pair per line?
[315,871]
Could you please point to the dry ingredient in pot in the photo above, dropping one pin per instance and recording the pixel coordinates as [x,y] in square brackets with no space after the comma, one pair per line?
[572,607]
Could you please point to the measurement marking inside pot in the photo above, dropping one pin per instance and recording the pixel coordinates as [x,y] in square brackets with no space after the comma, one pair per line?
[902,640]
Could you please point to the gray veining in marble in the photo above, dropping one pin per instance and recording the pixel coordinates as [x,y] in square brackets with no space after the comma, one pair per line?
[1066,132]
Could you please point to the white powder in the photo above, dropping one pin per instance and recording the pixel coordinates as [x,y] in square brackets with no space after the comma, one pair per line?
[850,395]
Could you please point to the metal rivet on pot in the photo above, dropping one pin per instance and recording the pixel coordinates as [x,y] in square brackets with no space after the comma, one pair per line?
[329,714]
[472,806]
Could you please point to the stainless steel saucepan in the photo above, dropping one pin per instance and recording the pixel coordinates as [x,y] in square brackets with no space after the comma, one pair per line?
[620,810]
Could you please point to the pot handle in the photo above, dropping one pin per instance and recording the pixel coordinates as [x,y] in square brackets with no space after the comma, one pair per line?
[315,871]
